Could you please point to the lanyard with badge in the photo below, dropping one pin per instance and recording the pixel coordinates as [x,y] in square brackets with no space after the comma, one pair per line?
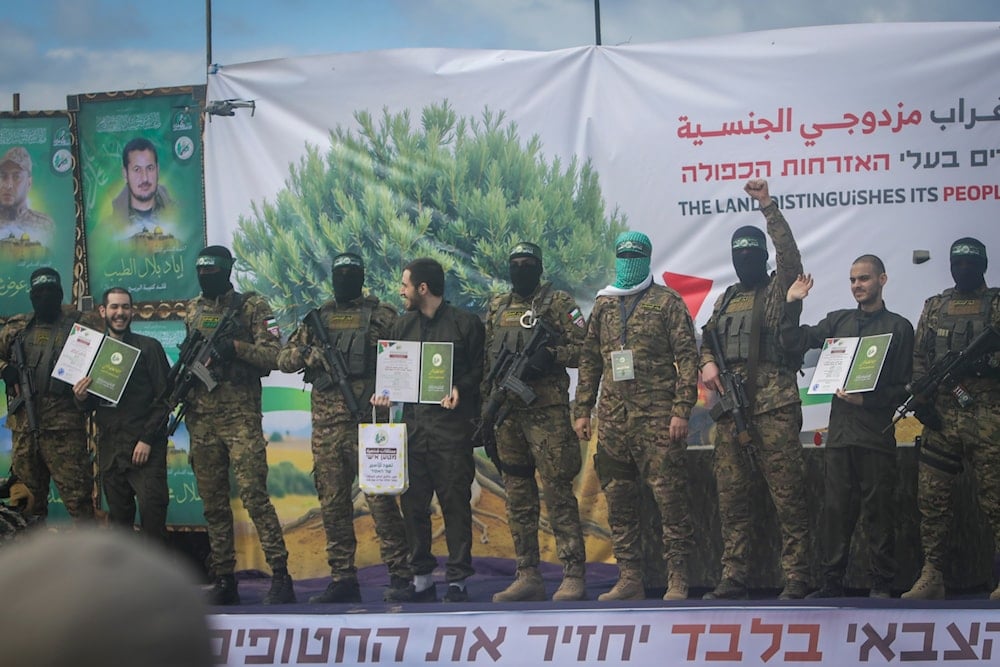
[622,366]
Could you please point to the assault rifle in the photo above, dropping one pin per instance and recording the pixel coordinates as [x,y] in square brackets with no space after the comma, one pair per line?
[512,369]
[733,401]
[948,372]
[195,364]
[336,372]
[25,396]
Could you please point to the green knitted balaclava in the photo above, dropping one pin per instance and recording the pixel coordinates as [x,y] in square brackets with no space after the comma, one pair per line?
[632,251]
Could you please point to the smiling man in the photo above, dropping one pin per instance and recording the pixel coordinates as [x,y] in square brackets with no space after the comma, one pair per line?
[860,452]
[132,438]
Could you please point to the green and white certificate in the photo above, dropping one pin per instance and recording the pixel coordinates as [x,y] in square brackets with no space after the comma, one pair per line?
[436,365]
[108,362]
[850,363]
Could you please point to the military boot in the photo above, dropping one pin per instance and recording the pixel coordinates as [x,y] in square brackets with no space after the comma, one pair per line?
[795,589]
[345,590]
[526,587]
[281,591]
[930,585]
[224,591]
[629,587]
[571,589]
[995,595]
[677,586]
[728,589]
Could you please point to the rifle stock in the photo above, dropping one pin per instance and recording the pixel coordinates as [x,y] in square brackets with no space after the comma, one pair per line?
[25,397]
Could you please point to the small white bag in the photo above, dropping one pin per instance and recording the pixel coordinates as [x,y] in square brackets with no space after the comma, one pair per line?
[382,461]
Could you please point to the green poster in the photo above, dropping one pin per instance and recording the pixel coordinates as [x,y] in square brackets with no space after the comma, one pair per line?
[37,206]
[143,193]
[436,362]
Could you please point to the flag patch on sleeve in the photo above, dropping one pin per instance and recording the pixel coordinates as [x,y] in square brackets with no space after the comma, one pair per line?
[576,317]
[272,327]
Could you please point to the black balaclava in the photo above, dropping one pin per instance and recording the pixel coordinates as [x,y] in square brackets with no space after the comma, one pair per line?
[525,277]
[749,246]
[215,284]
[348,277]
[968,264]
[46,294]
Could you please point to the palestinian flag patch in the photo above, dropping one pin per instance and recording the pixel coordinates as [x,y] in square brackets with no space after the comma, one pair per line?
[576,317]
[272,327]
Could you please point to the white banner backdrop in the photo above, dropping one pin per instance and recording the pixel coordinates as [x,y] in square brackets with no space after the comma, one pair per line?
[879,138]
[703,635]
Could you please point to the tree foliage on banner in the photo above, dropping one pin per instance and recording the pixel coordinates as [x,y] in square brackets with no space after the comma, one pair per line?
[458,190]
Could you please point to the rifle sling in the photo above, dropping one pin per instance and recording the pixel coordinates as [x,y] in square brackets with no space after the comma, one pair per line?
[756,325]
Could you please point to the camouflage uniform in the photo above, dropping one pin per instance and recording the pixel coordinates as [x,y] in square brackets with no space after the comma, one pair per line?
[633,445]
[541,436]
[61,453]
[777,418]
[335,434]
[948,322]
[225,429]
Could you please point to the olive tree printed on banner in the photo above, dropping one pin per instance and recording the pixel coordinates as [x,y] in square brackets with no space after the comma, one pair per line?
[460,190]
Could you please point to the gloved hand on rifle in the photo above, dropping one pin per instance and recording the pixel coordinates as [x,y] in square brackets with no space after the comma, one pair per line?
[539,363]
[226,349]
[928,416]
[10,375]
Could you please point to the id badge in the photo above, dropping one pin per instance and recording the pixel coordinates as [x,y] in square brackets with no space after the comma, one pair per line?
[621,365]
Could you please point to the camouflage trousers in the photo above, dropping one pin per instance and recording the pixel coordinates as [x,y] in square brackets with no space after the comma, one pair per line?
[335,466]
[125,486]
[779,459]
[542,438]
[969,437]
[637,450]
[235,439]
[60,456]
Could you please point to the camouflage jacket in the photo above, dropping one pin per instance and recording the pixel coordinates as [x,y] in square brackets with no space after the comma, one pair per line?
[559,311]
[43,342]
[776,384]
[330,406]
[924,347]
[660,335]
[256,343]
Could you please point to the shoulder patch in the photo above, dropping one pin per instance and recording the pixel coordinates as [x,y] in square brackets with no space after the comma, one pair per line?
[272,327]
[576,317]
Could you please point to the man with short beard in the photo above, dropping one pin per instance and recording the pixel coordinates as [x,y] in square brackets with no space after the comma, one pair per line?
[439,451]
[132,434]
[143,202]
[60,452]
[15,183]
[860,453]
[961,423]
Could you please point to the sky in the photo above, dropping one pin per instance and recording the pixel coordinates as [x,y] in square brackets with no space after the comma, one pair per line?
[53,48]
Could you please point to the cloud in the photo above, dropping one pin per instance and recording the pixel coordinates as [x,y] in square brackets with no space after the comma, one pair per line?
[61,72]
